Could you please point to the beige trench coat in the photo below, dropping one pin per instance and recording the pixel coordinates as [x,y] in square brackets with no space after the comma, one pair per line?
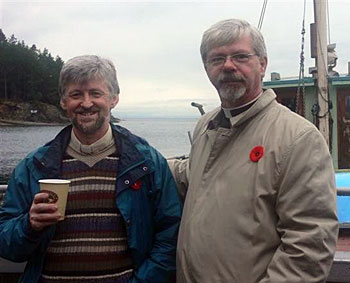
[273,220]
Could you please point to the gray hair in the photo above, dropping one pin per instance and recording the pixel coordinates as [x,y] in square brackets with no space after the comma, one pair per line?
[228,31]
[83,68]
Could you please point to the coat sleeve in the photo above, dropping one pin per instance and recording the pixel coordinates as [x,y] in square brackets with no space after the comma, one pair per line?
[306,211]
[179,169]
[160,266]
[17,240]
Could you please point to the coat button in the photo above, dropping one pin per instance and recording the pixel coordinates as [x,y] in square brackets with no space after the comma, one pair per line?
[128,222]
[126,182]
[145,168]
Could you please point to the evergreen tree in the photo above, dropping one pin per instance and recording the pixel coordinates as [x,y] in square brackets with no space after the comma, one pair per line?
[2,36]
[26,73]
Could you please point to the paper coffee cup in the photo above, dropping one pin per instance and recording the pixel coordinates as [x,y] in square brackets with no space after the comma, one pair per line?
[57,189]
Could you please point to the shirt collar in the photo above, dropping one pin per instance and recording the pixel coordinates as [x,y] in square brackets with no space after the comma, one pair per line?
[218,117]
[232,112]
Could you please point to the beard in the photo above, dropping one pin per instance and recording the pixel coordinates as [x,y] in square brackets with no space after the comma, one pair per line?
[230,87]
[91,127]
[232,93]
[88,129]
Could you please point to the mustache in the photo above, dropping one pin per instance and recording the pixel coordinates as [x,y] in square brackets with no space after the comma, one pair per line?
[229,78]
[82,110]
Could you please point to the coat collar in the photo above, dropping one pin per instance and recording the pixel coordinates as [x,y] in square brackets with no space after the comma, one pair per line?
[217,118]
[264,100]
[49,158]
[127,151]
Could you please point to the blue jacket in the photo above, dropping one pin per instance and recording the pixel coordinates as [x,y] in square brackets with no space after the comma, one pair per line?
[152,214]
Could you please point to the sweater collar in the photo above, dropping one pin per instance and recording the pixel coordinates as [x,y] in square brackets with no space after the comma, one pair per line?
[97,147]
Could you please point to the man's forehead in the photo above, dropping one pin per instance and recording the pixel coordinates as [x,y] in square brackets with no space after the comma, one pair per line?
[244,42]
[88,83]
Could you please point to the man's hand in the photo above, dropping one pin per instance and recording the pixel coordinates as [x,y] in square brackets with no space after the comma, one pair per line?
[42,213]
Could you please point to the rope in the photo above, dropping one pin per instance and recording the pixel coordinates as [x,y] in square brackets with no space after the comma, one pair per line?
[262,14]
[331,121]
[300,103]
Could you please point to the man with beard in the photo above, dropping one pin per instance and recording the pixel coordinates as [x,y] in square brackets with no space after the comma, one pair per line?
[260,199]
[123,210]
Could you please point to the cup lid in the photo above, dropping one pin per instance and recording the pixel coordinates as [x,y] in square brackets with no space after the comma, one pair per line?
[54,181]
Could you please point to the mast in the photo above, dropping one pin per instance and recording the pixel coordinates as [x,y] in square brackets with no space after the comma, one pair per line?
[322,66]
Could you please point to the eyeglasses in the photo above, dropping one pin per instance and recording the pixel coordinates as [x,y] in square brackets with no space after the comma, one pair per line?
[238,58]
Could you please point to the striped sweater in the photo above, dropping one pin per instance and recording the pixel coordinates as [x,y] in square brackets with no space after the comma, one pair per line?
[90,245]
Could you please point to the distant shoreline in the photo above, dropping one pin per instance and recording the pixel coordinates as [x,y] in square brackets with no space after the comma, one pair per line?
[5,122]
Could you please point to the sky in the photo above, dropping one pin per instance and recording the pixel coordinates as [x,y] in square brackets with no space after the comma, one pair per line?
[155,45]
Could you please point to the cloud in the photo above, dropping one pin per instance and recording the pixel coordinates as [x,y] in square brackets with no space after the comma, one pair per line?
[155,45]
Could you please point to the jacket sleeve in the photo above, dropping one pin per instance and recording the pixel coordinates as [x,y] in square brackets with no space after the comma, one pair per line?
[160,265]
[180,169]
[17,239]
[306,211]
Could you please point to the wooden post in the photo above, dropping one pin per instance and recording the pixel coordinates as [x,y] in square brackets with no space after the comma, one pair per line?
[322,66]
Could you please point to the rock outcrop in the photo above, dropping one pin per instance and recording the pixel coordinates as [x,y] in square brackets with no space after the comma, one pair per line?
[37,112]
[33,113]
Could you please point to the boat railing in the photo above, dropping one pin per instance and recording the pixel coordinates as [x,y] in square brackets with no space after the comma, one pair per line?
[2,192]
[343,191]
[3,188]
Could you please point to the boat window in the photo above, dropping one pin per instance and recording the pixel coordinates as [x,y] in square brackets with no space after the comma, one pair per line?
[347,107]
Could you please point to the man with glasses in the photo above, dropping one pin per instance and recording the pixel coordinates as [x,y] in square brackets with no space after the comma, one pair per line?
[260,199]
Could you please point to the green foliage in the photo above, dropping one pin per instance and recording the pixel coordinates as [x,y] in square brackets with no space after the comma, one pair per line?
[26,73]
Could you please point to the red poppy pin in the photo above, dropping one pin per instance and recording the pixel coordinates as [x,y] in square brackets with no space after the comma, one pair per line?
[136,185]
[256,153]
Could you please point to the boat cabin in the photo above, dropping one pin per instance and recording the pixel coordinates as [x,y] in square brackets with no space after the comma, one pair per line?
[338,106]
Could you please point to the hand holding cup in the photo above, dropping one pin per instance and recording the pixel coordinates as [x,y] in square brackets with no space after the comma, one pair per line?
[49,205]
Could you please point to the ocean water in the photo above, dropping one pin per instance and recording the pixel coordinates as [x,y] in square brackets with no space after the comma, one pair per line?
[168,136]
